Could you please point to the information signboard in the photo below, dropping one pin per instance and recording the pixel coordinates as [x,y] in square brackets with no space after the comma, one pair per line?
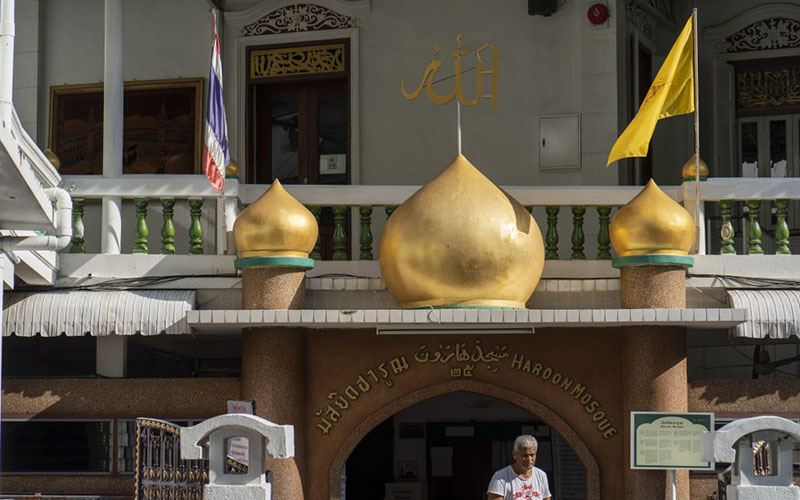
[669,440]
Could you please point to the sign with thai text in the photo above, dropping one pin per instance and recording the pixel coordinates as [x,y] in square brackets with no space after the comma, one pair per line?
[237,447]
[459,359]
[669,440]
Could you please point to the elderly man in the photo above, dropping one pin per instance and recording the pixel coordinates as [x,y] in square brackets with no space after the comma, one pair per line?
[520,480]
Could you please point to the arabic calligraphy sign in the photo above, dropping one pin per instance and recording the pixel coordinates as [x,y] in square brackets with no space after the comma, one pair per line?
[458,91]
[286,61]
[458,352]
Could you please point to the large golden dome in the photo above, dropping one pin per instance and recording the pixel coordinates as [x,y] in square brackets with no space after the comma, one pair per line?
[460,241]
[652,223]
[275,225]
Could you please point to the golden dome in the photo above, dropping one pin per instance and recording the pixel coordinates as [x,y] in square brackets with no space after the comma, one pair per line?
[52,157]
[232,170]
[688,172]
[461,241]
[275,225]
[652,223]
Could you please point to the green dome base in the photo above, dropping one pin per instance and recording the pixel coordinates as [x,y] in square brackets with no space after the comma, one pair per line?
[296,262]
[653,260]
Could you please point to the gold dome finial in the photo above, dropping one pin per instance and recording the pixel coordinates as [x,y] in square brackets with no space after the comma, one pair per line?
[53,158]
[651,224]
[460,241]
[232,170]
[275,225]
[688,172]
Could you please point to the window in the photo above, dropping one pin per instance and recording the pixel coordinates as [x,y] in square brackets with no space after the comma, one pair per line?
[299,123]
[63,446]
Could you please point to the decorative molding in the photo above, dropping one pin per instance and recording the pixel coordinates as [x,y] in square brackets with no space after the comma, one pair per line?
[297,18]
[640,19]
[767,34]
[771,30]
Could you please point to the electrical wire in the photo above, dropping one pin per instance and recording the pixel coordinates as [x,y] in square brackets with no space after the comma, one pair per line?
[748,282]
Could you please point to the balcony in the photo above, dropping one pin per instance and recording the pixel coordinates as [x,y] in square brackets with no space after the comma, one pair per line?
[177,225]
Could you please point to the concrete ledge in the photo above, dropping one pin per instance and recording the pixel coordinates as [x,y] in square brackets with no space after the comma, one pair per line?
[462,320]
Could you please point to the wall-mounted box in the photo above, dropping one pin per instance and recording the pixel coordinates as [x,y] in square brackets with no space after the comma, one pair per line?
[560,142]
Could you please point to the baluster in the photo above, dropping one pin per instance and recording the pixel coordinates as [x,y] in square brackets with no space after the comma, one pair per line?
[726,232]
[195,229]
[753,228]
[782,228]
[168,229]
[577,232]
[78,242]
[366,233]
[603,239]
[390,210]
[316,254]
[141,232]
[551,235]
[339,234]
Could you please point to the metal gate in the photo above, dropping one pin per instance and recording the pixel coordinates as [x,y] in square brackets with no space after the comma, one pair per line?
[160,474]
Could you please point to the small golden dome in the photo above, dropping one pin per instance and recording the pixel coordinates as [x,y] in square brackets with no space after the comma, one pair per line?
[688,172]
[232,170]
[652,223]
[275,225]
[52,157]
[461,241]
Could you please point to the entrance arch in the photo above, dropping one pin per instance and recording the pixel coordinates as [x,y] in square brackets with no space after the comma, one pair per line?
[520,400]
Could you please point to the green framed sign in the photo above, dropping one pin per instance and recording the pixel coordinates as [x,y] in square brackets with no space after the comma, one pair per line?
[669,440]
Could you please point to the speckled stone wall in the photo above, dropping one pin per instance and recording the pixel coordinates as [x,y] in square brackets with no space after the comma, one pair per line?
[273,288]
[274,375]
[107,398]
[649,287]
[357,379]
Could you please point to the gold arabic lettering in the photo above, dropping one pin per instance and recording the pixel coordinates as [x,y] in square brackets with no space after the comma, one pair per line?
[458,53]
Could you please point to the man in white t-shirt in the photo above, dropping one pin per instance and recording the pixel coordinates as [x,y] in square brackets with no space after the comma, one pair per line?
[520,480]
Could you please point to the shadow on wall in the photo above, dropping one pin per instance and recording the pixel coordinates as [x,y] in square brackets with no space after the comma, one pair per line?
[744,395]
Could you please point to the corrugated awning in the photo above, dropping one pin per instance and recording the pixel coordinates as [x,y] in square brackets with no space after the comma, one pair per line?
[770,313]
[120,312]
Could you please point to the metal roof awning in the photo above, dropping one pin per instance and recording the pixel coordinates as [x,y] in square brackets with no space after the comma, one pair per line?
[771,313]
[118,312]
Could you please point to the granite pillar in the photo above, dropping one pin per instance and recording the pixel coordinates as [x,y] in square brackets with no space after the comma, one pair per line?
[654,367]
[273,367]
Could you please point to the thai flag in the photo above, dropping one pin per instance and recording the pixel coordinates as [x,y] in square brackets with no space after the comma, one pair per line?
[216,153]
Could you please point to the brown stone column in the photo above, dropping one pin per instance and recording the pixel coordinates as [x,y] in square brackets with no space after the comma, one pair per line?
[654,367]
[273,367]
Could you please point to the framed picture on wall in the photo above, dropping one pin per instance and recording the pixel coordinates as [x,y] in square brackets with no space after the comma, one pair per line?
[162,127]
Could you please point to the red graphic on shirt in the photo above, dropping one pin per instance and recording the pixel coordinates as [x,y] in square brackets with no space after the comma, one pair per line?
[527,493]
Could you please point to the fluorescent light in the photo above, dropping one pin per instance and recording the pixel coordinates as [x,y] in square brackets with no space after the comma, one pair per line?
[433,330]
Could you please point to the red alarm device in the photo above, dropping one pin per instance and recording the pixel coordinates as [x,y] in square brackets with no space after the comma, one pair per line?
[598,13]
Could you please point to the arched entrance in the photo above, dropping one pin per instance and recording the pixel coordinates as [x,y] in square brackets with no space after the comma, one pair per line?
[508,413]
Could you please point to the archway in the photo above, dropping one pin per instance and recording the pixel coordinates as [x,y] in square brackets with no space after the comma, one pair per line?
[521,401]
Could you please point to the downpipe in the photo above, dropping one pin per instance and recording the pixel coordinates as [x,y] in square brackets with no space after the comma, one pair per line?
[54,242]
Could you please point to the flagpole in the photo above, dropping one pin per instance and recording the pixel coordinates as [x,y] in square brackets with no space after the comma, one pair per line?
[696,130]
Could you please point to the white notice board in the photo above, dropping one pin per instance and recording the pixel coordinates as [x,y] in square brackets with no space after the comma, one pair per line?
[669,440]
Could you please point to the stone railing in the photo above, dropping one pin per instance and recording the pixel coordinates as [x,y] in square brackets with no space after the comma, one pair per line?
[352,216]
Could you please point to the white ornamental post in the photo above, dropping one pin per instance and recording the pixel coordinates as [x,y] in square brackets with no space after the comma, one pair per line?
[735,443]
[216,433]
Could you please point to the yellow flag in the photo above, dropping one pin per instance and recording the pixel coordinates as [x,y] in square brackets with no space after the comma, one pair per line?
[672,93]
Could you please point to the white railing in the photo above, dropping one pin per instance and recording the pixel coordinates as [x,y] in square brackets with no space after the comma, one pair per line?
[331,204]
